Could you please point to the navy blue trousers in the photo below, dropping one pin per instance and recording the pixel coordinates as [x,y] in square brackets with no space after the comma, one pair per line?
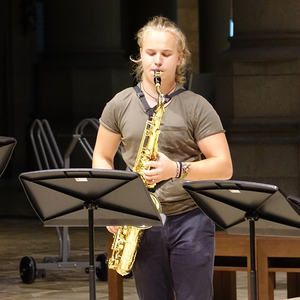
[176,261]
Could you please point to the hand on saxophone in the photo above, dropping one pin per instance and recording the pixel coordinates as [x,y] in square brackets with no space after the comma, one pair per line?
[112,229]
[162,168]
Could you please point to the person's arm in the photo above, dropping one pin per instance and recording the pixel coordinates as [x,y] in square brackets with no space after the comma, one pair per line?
[106,146]
[216,165]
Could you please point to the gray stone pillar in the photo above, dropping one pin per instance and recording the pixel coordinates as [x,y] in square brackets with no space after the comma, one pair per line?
[258,92]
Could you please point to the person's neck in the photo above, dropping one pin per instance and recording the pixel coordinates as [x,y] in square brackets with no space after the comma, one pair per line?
[150,89]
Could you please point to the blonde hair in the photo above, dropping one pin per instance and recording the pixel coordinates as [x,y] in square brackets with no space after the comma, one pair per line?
[160,23]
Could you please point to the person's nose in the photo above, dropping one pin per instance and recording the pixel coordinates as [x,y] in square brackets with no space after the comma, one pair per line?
[158,59]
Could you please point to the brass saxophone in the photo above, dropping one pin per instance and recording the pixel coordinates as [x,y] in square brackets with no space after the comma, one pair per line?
[126,240]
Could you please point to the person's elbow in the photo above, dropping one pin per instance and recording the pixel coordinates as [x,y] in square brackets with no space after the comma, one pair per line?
[102,162]
[227,170]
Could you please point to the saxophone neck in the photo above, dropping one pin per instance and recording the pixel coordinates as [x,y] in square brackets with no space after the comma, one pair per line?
[157,82]
[161,100]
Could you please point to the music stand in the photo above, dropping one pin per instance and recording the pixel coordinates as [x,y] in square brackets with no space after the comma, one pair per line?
[90,197]
[229,202]
[7,145]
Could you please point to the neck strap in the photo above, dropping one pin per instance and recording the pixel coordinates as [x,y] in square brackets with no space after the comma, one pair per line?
[150,110]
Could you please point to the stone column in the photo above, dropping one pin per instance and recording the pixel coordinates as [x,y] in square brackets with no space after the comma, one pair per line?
[83,63]
[258,92]
[188,21]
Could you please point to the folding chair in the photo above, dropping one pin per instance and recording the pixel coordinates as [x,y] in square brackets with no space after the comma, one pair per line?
[48,156]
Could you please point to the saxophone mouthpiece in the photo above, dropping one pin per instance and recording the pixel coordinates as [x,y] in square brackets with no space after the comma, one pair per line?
[157,77]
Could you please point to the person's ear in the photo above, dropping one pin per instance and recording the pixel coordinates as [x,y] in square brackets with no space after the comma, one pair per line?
[180,56]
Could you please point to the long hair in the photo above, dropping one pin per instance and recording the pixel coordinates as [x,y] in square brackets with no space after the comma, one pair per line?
[160,23]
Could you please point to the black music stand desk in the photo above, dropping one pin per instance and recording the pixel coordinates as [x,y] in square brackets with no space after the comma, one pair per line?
[90,197]
[229,202]
[7,145]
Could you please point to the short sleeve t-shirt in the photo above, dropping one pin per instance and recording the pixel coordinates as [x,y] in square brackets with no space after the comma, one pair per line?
[188,117]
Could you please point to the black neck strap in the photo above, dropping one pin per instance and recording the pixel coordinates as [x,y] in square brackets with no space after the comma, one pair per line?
[150,110]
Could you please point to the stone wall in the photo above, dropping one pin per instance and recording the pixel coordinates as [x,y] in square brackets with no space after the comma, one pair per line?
[258,92]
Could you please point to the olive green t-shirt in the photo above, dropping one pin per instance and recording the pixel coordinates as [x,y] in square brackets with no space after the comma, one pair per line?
[188,117]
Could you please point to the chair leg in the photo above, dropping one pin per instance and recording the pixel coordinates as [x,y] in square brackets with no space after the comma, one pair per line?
[115,281]
[224,285]
[293,285]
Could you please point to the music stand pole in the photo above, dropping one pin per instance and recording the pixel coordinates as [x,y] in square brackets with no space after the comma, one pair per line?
[92,276]
[253,288]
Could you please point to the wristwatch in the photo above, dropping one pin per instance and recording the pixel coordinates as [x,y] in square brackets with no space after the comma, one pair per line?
[185,169]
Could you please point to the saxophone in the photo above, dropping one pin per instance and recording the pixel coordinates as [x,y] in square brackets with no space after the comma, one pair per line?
[126,240]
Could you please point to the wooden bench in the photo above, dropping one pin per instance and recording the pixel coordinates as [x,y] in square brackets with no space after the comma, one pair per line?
[277,254]
[232,254]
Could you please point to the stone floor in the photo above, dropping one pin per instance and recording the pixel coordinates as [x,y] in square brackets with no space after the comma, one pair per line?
[27,237]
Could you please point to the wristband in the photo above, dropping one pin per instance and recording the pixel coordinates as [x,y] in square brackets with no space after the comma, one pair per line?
[178,169]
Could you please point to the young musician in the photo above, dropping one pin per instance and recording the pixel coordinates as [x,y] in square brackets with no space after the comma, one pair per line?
[174,261]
